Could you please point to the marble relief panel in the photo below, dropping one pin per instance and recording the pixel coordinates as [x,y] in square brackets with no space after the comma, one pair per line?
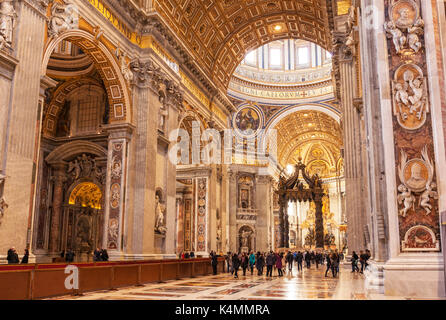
[418,216]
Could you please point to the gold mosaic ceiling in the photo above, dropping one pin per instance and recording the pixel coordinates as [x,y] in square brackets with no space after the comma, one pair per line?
[220,32]
[297,130]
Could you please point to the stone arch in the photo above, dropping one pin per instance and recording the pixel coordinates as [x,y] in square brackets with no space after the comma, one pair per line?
[70,149]
[107,66]
[56,105]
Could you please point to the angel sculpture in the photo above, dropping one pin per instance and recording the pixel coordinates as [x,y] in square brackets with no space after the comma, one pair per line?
[413,35]
[406,198]
[425,197]
[75,168]
[399,39]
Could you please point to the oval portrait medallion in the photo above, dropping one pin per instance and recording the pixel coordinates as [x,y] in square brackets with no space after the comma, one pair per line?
[247,122]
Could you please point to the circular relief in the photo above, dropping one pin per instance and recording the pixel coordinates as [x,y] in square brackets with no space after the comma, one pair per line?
[247,122]
[416,175]
[201,211]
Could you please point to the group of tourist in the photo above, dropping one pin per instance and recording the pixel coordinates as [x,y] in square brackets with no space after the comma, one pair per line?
[279,261]
[100,255]
[186,255]
[13,256]
[363,257]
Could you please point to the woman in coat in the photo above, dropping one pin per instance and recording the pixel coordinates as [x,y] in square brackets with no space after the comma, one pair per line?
[260,263]
[252,261]
[279,264]
[25,257]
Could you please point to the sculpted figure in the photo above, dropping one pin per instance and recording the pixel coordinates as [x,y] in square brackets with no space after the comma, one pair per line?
[406,198]
[399,39]
[8,17]
[425,197]
[159,211]
[413,35]
[63,17]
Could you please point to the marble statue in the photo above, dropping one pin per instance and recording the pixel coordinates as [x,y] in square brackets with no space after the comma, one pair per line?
[126,71]
[159,211]
[245,238]
[406,198]
[426,196]
[398,38]
[8,18]
[63,17]
[413,35]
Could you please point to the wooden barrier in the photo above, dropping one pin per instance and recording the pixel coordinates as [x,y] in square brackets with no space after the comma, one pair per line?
[37,281]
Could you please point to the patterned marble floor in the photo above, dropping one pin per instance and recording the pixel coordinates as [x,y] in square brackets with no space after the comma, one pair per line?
[309,284]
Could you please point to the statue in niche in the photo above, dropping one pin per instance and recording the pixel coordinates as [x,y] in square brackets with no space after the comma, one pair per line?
[64,16]
[8,17]
[63,125]
[83,233]
[245,238]
[159,212]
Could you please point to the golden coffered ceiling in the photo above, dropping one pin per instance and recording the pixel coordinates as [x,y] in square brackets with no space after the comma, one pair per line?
[219,33]
[299,132]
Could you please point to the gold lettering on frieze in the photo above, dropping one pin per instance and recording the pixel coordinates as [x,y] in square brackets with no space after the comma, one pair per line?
[282,94]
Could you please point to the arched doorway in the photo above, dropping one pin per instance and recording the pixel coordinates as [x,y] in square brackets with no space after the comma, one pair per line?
[83,219]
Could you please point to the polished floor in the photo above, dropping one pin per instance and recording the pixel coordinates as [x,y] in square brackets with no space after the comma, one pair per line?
[308,284]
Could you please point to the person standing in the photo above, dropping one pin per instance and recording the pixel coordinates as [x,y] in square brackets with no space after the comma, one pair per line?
[355,262]
[12,257]
[104,255]
[235,264]
[252,261]
[26,256]
[214,262]
[279,264]
[334,264]
[362,258]
[299,259]
[69,256]
[260,263]
[289,259]
[269,264]
[245,263]
[97,255]
[308,259]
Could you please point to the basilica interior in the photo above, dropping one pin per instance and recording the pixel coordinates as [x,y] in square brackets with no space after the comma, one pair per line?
[151,128]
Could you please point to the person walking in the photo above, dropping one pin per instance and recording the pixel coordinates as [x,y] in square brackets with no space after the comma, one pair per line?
[245,263]
[299,259]
[327,259]
[252,261]
[289,259]
[26,256]
[317,259]
[12,257]
[235,264]
[308,259]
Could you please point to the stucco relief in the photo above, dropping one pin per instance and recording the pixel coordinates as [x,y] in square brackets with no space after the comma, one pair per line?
[8,19]
[64,17]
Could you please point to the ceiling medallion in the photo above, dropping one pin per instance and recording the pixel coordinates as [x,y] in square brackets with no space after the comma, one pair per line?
[248,121]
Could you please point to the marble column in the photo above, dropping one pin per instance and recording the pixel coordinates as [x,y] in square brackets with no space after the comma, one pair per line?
[58,178]
[116,187]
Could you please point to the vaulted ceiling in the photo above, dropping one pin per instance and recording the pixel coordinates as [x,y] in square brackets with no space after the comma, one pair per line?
[299,130]
[219,33]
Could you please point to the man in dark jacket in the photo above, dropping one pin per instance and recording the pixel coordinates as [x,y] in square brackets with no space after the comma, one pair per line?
[235,264]
[327,257]
[289,259]
[26,256]
[214,262]
[308,259]
[13,257]
[260,263]
[270,261]
[299,259]
[69,256]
